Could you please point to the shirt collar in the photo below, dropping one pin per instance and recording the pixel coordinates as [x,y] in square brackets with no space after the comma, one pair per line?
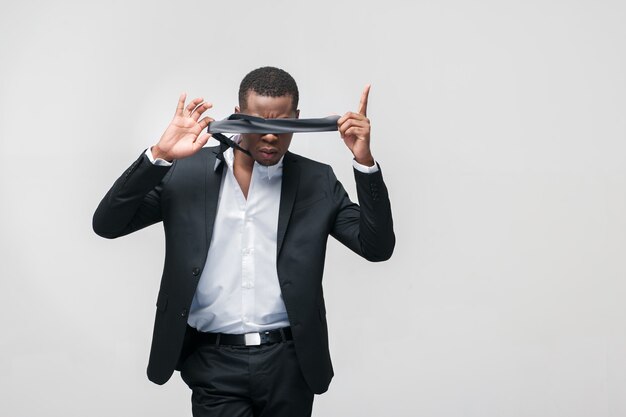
[263,171]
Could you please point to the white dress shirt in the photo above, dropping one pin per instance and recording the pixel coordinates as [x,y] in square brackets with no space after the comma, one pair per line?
[238,291]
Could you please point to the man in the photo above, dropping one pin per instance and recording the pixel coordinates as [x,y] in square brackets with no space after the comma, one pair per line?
[240,310]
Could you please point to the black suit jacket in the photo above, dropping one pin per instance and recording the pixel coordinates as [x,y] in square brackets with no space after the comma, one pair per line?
[313,206]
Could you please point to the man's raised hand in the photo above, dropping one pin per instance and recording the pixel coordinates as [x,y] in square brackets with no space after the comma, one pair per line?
[354,129]
[184,137]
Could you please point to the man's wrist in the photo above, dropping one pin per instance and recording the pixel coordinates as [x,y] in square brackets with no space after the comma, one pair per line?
[158,154]
[156,161]
[367,160]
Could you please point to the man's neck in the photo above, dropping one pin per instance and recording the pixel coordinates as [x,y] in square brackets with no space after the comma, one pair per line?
[242,169]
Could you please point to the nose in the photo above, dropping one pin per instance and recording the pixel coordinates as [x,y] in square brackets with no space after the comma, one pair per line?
[269,137]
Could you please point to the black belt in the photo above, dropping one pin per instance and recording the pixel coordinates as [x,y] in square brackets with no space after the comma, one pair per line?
[248,339]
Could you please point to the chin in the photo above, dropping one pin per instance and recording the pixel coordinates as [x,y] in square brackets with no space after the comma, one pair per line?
[265,161]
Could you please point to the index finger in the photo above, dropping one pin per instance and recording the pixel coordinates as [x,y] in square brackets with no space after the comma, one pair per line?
[363,103]
[181,104]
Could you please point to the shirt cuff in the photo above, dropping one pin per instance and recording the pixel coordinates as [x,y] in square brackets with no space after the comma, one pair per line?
[365,169]
[160,162]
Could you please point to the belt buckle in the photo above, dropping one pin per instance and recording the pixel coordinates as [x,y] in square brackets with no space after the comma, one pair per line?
[252,339]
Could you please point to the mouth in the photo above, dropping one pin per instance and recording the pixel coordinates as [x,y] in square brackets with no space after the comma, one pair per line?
[267,152]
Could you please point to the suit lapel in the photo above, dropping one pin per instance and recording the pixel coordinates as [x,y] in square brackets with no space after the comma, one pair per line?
[213,181]
[289,189]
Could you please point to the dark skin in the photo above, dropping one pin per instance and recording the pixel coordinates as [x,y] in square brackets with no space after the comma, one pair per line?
[185,134]
[266,149]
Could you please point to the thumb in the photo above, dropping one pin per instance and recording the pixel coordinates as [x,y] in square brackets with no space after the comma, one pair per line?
[202,140]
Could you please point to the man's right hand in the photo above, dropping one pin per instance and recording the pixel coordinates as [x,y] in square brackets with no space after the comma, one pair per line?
[184,137]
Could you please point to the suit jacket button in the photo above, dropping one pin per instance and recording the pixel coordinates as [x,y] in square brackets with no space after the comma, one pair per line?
[195,271]
[184,313]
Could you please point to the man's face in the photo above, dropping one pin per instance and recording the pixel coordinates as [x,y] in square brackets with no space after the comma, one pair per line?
[268,148]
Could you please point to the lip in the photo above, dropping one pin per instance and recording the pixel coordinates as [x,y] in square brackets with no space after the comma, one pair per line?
[267,152]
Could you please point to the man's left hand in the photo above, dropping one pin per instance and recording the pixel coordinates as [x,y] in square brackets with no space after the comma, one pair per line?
[354,129]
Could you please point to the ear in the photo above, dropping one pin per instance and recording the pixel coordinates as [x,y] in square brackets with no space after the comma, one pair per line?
[298,114]
[237,109]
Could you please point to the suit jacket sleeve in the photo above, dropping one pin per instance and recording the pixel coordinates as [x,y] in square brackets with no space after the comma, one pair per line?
[368,229]
[134,200]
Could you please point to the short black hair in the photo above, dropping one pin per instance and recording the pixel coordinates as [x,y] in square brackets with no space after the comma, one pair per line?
[270,82]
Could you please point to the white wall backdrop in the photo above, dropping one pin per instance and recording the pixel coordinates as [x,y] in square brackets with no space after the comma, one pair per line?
[501,130]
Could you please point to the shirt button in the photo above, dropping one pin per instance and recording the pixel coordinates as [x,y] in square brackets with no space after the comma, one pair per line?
[195,271]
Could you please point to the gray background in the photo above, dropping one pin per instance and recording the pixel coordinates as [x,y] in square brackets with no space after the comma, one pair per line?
[500,127]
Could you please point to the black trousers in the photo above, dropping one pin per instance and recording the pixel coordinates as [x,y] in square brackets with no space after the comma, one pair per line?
[254,381]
